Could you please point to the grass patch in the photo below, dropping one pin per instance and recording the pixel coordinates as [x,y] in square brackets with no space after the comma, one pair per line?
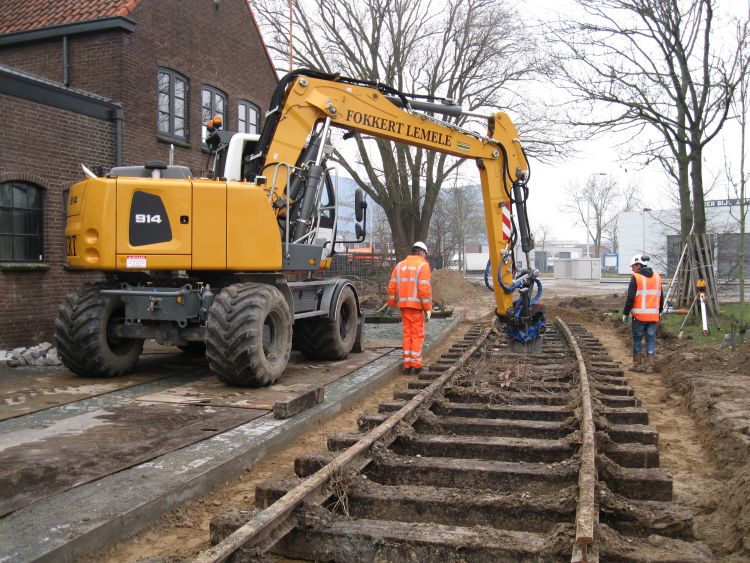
[693,330]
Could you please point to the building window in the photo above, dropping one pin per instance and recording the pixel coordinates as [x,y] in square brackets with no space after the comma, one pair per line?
[247,117]
[213,103]
[172,104]
[20,222]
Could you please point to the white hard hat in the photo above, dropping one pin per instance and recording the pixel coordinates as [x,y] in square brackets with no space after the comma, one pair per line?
[639,259]
[419,244]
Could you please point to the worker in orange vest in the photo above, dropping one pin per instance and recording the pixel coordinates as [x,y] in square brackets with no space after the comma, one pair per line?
[409,288]
[645,301]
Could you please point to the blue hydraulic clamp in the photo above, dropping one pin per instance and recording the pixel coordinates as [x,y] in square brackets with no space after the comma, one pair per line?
[525,320]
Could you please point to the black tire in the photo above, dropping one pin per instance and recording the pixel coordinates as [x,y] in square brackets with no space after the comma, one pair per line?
[249,335]
[81,335]
[195,349]
[326,339]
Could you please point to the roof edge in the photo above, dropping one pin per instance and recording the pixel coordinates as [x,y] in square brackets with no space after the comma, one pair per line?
[103,24]
[33,88]
[263,41]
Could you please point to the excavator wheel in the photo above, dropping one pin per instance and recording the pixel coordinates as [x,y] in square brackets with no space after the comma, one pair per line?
[249,335]
[326,339]
[81,335]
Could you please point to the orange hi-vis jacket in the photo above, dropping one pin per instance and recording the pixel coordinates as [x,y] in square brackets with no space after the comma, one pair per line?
[647,296]
[409,287]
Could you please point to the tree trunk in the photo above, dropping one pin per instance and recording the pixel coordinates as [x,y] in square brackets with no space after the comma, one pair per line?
[696,181]
[683,178]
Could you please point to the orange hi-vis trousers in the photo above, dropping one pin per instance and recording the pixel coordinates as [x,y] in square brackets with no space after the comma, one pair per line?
[413,324]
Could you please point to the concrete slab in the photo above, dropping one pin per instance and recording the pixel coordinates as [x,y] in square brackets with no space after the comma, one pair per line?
[85,519]
[39,462]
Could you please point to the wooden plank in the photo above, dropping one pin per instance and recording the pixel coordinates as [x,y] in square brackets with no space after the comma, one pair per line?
[298,378]
[305,399]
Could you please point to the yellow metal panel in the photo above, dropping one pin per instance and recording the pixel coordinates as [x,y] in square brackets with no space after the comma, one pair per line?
[90,232]
[176,195]
[209,225]
[253,239]
[153,261]
[493,194]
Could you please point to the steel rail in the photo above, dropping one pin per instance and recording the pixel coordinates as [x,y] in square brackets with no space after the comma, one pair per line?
[587,515]
[274,522]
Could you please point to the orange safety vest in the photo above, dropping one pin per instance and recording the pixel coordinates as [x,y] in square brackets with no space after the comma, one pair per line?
[409,286]
[647,295]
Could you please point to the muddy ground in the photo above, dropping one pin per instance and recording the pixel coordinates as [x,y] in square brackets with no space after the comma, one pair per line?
[699,402]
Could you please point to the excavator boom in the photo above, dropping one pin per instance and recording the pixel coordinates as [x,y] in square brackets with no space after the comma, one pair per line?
[305,99]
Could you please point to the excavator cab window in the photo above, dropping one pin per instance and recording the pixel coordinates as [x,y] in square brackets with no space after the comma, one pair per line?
[247,152]
[328,204]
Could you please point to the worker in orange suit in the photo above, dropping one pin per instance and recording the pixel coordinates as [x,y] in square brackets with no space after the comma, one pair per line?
[410,290]
[645,302]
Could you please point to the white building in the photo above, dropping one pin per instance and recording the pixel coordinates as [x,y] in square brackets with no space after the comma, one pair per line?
[652,231]
[478,253]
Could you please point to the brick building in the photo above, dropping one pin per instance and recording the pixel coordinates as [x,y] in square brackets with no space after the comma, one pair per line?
[104,83]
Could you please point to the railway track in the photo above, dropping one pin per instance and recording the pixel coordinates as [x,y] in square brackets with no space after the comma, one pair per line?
[489,455]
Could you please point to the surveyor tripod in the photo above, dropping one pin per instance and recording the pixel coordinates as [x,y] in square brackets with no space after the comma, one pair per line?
[703,303]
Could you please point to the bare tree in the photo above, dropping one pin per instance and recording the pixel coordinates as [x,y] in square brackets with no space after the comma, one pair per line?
[379,230]
[440,240]
[595,205]
[458,218]
[741,106]
[542,233]
[653,64]
[473,52]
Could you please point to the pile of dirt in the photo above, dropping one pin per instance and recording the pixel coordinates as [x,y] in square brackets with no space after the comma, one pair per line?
[680,357]
[450,287]
[730,522]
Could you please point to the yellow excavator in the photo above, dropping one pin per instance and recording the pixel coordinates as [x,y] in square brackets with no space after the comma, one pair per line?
[204,263]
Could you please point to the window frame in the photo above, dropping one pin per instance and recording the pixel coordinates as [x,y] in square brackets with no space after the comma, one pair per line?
[214,91]
[174,76]
[248,105]
[12,209]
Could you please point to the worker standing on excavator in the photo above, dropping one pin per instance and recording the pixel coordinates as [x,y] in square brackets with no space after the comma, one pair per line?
[645,301]
[409,288]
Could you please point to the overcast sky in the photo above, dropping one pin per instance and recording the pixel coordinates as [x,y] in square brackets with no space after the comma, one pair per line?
[600,156]
[548,180]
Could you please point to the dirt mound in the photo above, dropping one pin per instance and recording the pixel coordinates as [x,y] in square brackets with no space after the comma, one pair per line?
[450,287]
[730,522]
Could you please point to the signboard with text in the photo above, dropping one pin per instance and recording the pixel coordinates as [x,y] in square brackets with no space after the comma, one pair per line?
[725,202]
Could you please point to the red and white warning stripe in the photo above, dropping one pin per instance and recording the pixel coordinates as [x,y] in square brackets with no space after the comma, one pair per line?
[507,220]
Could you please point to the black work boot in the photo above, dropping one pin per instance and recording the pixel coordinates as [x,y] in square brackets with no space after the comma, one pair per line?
[407,371]
[416,371]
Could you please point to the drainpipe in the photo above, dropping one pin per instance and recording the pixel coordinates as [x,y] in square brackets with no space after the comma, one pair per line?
[66,62]
[117,118]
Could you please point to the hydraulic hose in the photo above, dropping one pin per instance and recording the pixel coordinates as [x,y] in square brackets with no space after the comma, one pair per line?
[517,284]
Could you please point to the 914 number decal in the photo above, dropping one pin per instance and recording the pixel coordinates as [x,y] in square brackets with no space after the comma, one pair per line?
[146,218]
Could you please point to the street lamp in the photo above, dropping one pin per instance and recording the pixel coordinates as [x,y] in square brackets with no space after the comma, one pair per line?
[643,229]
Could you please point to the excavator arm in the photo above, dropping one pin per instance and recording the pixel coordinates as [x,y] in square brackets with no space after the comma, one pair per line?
[307,103]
